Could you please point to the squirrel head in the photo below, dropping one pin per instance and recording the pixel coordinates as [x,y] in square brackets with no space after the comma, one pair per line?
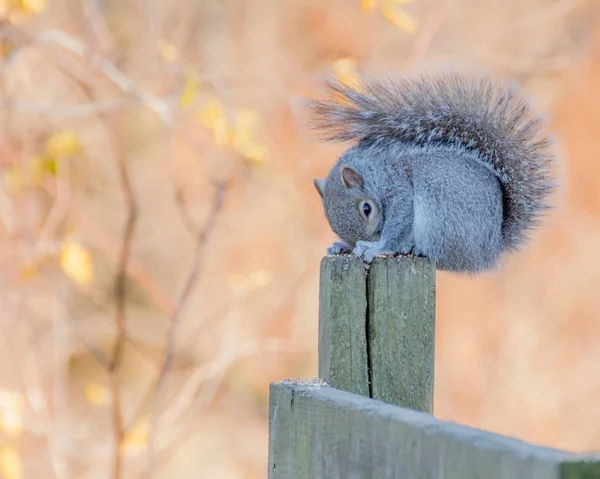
[352,210]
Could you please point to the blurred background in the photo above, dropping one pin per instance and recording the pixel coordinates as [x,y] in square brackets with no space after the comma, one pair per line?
[161,236]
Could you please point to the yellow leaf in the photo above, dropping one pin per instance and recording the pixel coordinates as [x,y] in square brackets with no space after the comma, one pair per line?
[257,280]
[11,423]
[10,399]
[136,439]
[63,143]
[96,394]
[256,153]
[28,272]
[190,87]
[5,7]
[33,6]
[14,180]
[211,113]
[50,166]
[368,5]
[11,413]
[345,71]
[76,262]
[10,463]
[212,116]
[6,47]
[400,19]
[35,165]
[169,52]
[40,166]
[244,142]
[246,121]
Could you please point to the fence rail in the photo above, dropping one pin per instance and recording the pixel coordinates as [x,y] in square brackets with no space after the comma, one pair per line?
[372,418]
[322,432]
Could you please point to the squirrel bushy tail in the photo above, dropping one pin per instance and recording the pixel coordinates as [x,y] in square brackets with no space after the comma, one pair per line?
[472,112]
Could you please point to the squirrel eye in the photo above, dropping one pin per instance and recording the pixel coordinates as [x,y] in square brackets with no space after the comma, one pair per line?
[366,209]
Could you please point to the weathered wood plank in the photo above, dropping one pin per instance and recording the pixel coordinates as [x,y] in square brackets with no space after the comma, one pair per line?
[581,469]
[401,322]
[325,433]
[342,324]
[377,328]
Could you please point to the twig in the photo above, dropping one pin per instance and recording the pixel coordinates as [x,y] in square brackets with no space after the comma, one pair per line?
[135,269]
[427,34]
[120,302]
[194,271]
[84,110]
[523,66]
[184,212]
[96,353]
[27,375]
[556,10]
[96,25]
[110,71]
[214,373]
[190,282]
[218,367]
[124,254]
[60,352]
[7,213]
[120,292]
[217,373]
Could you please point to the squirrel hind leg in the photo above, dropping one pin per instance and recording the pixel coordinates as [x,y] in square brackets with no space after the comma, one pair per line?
[458,243]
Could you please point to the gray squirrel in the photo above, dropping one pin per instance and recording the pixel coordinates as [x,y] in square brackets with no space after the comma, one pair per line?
[449,166]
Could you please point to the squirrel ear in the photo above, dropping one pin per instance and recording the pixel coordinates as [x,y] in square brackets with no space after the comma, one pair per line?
[320,186]
[351,178]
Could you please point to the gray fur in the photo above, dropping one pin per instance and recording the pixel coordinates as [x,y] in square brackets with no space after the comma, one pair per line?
[452,167]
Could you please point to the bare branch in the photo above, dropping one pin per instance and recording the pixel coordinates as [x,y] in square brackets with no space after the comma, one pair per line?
[96,25]
[212,376]
[525,65]
[135,269]
[120,302]
[427,34]
[84,110]
[219,367]
[124,253]
[108,69]
[558,9]
[97,354]
[194,272]
[120,292]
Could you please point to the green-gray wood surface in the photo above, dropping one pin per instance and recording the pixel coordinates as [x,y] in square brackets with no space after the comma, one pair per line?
[377,328]
[342,319]
[401,298]
[325,433]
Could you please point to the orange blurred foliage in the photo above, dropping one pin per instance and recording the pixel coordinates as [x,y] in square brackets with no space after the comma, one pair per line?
[178,96]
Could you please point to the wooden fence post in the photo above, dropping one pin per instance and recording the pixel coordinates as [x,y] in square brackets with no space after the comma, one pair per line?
[377,328]
[376,340]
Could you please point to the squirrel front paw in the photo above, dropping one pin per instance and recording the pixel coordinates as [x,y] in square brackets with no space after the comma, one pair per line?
[367,250]
[339,248]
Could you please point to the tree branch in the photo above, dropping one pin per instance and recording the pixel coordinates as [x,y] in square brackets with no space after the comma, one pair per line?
[191,280]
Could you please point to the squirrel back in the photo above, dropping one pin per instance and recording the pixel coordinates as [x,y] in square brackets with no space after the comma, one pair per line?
[472,113]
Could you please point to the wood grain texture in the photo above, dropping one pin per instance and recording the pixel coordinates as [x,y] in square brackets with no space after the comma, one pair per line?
[377,328]
[342,324]
[401,334]
[325,433]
